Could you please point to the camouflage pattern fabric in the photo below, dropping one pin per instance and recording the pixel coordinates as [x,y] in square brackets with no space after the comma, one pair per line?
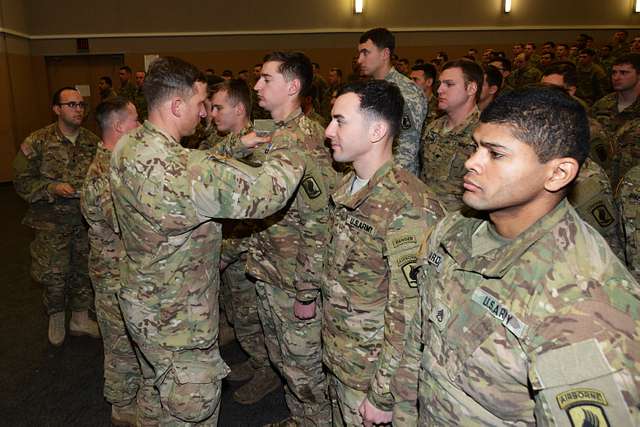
[165,197]
[444,153]
[295,349]
[368,292]
[629,202]
[605,111]
[141,105]
[524,76]
[121,370]
[538,330]
[313,115]
[592,198]
[407,145]
[59,251]
[626,150]
[592,82]
[602,146]
[128,91]
[345,402]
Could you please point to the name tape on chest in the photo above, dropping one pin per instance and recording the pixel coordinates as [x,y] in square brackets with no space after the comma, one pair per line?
[500,312]
[360,225]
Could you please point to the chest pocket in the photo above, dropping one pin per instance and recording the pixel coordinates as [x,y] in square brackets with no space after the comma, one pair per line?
[55,160]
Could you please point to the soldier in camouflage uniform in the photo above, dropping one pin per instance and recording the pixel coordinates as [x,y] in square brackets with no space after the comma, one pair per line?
[424,76]
[526,316]
[380,215]
[49,170]
[286,256]
[374,58]
[592,79]
[446,142]
[122,376]
[139,101]
[105,89]
[127,88]
[629,202]
[231,109]
[617,108]
[165,197]
[524,73]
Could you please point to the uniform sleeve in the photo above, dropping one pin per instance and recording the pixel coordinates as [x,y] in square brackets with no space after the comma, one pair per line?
[629,202]
[402,244]
[95,198]
[227,188]
[584,363]
[408,143]
[231,146]
[29,183]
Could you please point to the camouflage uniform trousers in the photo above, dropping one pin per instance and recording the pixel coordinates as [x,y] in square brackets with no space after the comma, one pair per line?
[294,347]
[122,376]
[59,261]
[345,402]
[246,321]
[178,387]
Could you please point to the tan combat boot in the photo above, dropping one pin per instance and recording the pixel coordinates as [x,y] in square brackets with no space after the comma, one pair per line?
[124,416]
[81,324]
[56,329]
[264,381]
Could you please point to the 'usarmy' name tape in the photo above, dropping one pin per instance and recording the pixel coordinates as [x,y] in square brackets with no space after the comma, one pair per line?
[355,222]
[500,312]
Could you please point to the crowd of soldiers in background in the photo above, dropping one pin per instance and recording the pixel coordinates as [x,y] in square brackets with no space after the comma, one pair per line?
[442,108]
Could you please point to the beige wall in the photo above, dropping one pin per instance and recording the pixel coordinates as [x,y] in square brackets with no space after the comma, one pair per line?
[213,34]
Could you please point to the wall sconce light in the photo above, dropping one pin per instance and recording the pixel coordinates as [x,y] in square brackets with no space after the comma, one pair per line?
[637,8]
[358,6]
[507,6]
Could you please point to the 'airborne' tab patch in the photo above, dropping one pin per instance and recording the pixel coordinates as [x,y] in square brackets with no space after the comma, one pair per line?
[500,312]
[584,406]
[361,225]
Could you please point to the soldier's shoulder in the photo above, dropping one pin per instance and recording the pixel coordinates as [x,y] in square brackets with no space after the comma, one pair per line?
[410,190]
[605,102]
[89,136]
[630,183]
[44,133]
[591,169]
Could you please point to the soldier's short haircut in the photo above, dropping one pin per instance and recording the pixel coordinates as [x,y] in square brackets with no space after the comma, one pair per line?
[549,43]
[126,68]
[293,65]
[518,44]
[632,59]
[532,44]
[504,62]
[545,117]
[443,55]
[379,99]
[566,69]
[429,70]
[588,51]
[381,38]
[169,76]
[564,45]
[471,71]
[55,100]
[107,80]
[552,55]
[109,108]
[237,91]
[493,76]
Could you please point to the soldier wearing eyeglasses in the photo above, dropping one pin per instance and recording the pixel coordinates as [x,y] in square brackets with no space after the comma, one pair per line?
[49,170]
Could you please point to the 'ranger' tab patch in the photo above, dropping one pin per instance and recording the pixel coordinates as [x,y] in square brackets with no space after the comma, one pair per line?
[406,122]
[440,315]
[311,187]
[404,240]
[602,215]
[500,312]
[407,264]
[584,406]
[361,225]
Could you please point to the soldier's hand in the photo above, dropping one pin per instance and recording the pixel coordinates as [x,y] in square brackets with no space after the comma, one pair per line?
[373,416]
[62,189]
[304,311]
[251,140]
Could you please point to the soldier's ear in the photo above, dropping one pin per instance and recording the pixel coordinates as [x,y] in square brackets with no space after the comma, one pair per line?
[294,87]
[378,130]
[56,109]
[177,104]
[561,172]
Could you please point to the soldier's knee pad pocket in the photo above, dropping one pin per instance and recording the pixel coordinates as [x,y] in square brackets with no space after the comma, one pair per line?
[191,392]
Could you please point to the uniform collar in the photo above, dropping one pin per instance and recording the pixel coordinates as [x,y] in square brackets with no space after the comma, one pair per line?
[290,118]
[154,129]
[343,196]
[497,262]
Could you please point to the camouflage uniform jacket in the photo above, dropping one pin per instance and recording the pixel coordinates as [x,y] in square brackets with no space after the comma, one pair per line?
[626,149]
[47,157]
[540,329]
[141,105]
[444,153]
[165,197]
[313,115]
[128,91]
[605,110]
[288,251]
[629,202]
[592,198]
[368,292]
[97,208]
[407,146]
[524,76]
[592,82]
